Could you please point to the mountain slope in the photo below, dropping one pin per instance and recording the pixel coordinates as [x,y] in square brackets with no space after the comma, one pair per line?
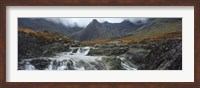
[157,27]
[154,30]
[36,43]
[98,31]
[107,31]
[40,24]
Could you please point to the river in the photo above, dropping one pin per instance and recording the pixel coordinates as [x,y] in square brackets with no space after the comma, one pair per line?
[76,60]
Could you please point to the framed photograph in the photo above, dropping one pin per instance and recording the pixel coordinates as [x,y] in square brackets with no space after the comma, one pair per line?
[122,43]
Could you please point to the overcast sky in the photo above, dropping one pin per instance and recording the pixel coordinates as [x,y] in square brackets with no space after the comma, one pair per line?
[85,21]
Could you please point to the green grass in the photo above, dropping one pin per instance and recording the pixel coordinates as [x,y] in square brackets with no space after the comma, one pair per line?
[156,28]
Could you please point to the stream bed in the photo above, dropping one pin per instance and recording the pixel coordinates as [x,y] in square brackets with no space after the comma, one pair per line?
[76,59]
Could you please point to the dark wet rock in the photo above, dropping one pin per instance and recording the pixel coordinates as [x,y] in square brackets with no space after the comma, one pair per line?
[87,66]
[141,45]
[75,44]
[40,64]
[55,64]
[21,67]
[108,49]
[136,55]
[172,59]
[164,55]
[47,53]
[55,48]
[21,64]
[98,65]
[112,63]
[70,65]
[27,46]
[30,46]
[75,50]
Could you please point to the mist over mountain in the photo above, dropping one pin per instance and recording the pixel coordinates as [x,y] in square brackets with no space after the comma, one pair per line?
[99,29]
[84,29]
[41,24]
[103,44]
[83,22]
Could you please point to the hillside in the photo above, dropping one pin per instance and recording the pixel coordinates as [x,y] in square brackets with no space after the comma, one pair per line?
[154,45]
[107,31]
[40,43]
[40,24]
[158,26]
[156,29]
[98,31]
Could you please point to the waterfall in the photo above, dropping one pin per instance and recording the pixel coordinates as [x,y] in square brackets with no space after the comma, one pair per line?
[58,65]
[126,64]
[127,67]
[28,66]
[83,51]
[70,53]
[50,66]
[77,61]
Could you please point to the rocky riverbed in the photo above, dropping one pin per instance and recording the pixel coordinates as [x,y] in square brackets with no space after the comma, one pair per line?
[160,55]
[152,45]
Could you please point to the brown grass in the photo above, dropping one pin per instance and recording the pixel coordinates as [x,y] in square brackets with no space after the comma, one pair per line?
[45,36]
[129,40]
[88,43]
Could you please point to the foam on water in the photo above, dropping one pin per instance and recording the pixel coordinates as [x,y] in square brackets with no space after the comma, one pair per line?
[78,61]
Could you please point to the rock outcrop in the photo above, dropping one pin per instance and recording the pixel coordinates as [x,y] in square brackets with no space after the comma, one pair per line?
[27,46]
[152,45]
[165,55]
[55,48]
[112,63]
[111,48]
[33,44]
[40,63]
[136,55]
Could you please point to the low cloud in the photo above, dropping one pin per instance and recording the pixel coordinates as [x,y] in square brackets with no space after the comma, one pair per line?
[139,20]
[83,22]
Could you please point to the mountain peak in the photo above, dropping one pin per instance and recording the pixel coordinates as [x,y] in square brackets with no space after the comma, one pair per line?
[105,22]
[126,22]
[95,21]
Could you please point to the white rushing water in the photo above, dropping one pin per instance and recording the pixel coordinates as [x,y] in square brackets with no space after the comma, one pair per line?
[28,66]
[81,51]
[76,60]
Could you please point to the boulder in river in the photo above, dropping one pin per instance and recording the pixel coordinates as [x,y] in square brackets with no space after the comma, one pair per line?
[136,55]
[70,65]
[112,63]
[40,64]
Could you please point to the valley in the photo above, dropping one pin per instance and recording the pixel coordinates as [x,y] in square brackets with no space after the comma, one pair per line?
[153,45]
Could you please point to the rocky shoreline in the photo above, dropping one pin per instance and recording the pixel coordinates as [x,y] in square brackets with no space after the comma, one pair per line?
[159,55]
[165,54]
[155,44]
